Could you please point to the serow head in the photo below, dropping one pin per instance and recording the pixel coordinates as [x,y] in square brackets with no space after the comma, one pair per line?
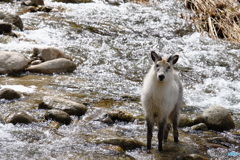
[163,67]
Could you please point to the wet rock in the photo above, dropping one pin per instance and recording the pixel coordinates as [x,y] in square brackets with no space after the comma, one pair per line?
[60,65]
[5,28]
[72,108]
[218,118]
[124,143]
[9,94]
[33,2]
[20,117]
[73,1]
[185,121]
[195,157]
[12,62]
[50,53]
[117,115]
[14,19]
[120,115]
[58,115]
[200,126]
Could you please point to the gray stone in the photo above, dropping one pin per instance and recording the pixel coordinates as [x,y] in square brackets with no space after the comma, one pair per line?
[12,62]
[50,53]
[218,118]
[60,65]
[72,108]
[58,115]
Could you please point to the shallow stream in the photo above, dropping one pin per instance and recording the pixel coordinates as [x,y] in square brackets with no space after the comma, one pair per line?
[111,46]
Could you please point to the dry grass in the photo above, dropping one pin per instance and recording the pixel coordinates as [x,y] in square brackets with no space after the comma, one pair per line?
[220,18]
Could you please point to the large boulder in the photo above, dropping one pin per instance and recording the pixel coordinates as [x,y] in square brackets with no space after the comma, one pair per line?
[47,54]
[218,118]
[9,94]
[12,62]
[72,108]
[60,65]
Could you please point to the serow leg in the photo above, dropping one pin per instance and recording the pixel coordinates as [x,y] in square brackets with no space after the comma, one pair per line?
[175,130]
[161,128]
[149,135]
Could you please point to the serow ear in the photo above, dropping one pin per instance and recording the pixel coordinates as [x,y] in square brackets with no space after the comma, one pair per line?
[155,56]
[173,59]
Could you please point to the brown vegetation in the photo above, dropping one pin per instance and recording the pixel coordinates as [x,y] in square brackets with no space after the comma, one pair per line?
[220,18]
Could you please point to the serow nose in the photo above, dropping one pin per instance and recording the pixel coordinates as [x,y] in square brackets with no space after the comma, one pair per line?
[161,77]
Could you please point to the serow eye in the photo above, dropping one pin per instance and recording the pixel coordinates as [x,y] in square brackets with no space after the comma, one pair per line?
[167,68]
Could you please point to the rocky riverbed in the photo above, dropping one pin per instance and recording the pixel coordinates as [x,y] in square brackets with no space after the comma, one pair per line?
[92,110]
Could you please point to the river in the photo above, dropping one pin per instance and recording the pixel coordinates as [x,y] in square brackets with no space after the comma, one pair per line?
[111,46]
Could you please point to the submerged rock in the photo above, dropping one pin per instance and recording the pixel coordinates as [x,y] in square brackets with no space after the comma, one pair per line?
[20,117]
[72,108]
[12,62]
[50,53]
[9,94]
[60,65]
[58,115]
[218,118]
[124,143]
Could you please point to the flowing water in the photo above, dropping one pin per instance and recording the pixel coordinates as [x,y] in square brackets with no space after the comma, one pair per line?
[111,46]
